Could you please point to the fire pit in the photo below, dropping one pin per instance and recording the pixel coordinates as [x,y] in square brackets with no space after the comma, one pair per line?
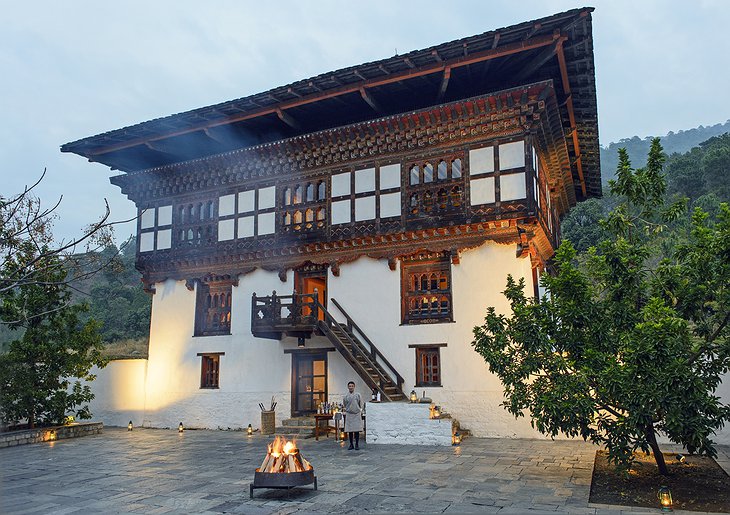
[283,467]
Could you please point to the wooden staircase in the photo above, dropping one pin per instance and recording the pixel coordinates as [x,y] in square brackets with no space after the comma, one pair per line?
[363,361]
[298,315]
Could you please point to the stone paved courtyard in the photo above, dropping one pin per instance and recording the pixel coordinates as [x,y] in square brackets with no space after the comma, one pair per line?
[160,471]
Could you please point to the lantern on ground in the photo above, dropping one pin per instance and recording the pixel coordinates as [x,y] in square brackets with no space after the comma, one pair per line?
[665,498]
[180,428]
[414,396]
[437,412]
[52,435]
[456,438]
[130,426]
[249,430]
[343,435]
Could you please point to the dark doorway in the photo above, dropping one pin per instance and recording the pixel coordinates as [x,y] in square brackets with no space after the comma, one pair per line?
[309,382]
[310,279]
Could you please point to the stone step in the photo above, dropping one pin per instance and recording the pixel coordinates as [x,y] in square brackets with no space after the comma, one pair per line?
[294,432]
[299,422]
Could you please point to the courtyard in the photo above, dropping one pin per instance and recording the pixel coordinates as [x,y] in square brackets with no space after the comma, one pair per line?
[161,471]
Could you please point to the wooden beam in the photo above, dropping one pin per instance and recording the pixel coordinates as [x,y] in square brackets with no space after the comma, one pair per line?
[571,114]
[485,55]
[367,97]
[444,84]
[541,58]
[288,119]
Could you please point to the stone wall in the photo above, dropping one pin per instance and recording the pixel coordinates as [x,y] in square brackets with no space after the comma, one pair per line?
[405,423]
[49,434]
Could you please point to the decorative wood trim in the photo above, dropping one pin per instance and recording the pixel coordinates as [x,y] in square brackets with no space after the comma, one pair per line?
[426,345]
[317,350]
[211,354]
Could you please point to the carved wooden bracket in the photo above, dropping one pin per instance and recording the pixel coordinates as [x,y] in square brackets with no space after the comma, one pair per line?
[282,274]
[190,284]
[335,267]
[393,263]
[455,257]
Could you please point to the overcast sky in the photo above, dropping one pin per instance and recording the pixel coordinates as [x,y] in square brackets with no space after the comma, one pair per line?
[78,68]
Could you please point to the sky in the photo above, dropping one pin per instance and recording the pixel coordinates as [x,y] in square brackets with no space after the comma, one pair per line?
[79,68]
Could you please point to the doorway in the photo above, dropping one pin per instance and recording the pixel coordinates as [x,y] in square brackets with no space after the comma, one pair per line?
[309,279]
[309,382]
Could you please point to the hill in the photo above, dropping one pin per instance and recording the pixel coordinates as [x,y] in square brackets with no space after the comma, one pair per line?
[673,143]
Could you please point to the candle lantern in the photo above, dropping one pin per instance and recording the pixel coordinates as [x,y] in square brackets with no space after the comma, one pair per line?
[437,412]
[52,435]
[665,498]
[180,428]
[249,430]
[414,396]
[456,438]
[130,426]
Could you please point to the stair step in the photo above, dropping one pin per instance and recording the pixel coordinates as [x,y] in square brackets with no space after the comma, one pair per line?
[297,432]
[299,422]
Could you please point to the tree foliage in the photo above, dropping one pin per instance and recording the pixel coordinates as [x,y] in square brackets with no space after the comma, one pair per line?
[624,345]
[41,374]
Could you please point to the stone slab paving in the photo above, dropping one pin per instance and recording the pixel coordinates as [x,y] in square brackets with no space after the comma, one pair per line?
[160,471]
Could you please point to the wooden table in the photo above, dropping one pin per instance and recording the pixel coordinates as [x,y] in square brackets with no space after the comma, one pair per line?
[318,418]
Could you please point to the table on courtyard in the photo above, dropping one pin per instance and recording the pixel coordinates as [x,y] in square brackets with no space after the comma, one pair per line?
[322,419]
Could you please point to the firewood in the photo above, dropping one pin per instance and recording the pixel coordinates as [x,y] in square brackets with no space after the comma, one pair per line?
[264,463]
[292,465]
[298,462]
[307,465]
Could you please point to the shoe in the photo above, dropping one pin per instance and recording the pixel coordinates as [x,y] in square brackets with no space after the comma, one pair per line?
[357,447]
[350,448]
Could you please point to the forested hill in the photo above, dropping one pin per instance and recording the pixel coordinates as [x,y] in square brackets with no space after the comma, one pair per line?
[673,143]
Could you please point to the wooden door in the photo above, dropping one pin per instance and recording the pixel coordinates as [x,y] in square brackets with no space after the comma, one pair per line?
[309,382]
[307,282]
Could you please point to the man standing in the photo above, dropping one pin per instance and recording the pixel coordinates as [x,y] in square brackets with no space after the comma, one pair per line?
[353,405]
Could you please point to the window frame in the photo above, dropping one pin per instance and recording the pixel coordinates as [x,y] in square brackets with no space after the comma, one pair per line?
[413,268]
[205,373]
[207,293]
[433,350]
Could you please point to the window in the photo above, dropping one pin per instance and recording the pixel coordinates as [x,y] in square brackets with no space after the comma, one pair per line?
[213,309]
[426,288]
[428,366]
[210,369]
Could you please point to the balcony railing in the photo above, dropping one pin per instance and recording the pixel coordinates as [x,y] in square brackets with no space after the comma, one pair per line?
[295,315]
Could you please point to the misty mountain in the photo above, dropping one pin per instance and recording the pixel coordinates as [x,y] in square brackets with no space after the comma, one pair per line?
[673,143]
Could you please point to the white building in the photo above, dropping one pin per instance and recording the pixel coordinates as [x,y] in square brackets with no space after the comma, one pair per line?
[385,204]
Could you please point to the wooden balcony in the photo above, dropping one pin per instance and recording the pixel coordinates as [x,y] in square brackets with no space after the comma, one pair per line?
[292,315]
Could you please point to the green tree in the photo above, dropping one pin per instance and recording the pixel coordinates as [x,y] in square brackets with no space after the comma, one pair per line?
[623,346]
[41,374]
[581,226]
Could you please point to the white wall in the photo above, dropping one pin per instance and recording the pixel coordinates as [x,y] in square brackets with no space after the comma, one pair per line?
[165,389]
[119,392]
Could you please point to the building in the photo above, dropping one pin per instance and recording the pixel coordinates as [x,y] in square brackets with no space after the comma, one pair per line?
[355,225]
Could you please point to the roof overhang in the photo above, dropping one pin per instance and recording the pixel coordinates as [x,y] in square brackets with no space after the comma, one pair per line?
[557,48]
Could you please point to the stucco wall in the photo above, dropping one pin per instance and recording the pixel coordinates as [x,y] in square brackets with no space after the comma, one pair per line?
[119,392]
[165,389]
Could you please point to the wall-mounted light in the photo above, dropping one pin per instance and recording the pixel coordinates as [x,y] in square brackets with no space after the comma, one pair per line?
[300,342]
[130,426]
[665,498]
[180,428]
[249,430]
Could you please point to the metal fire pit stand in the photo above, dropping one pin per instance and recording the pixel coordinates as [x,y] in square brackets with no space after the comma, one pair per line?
[281,480]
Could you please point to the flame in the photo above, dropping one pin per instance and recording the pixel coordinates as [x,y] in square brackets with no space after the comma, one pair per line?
[281,446]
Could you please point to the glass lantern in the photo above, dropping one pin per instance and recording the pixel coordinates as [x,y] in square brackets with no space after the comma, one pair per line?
[665,498]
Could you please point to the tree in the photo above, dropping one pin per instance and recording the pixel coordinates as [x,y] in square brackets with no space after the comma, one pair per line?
[27,247]
[623,346]
[581,226]
[41,374]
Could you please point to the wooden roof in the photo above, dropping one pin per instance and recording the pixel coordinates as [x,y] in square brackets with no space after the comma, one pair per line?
[557,47]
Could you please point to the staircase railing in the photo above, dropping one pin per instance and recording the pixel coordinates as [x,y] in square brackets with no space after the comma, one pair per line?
[375,354]
[299,314]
